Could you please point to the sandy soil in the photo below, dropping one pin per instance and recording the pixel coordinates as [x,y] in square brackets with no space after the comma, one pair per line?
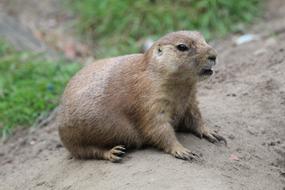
[244,101]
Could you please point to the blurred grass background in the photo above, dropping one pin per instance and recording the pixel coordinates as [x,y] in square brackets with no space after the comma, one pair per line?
[30,85]
[116,26]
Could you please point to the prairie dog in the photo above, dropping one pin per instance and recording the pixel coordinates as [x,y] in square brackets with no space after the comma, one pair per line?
[139,99]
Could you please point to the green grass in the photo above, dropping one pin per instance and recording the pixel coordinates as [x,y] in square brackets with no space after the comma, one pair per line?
[116,26]
[29,86]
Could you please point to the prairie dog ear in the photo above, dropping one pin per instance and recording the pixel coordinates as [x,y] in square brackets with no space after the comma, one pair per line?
[158,50]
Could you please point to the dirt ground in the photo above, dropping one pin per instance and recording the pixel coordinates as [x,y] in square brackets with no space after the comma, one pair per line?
[244,101]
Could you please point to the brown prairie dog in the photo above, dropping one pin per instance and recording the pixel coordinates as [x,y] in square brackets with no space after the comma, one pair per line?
[140,99]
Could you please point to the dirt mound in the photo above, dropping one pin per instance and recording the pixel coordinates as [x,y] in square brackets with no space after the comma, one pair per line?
[244,101]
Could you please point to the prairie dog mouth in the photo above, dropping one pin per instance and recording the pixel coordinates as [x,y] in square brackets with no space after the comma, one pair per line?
[208,71]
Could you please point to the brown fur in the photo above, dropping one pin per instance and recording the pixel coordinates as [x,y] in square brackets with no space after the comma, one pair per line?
[135,100]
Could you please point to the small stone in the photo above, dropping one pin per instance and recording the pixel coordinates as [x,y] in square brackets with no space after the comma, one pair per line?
[271,144]
[217,126]
[234,157]
[260,52]
[251,132]
[232,94]
[246,38]
[32,142]
[232,137]
[40,183]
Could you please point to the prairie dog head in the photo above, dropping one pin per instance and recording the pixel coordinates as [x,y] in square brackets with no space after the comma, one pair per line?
[183,54]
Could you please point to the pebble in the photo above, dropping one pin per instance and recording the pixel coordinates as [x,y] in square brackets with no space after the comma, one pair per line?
[246,38]
[234,157]
[232,137]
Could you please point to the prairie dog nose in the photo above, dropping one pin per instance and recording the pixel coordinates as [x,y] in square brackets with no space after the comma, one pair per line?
[212,54]
[212,57]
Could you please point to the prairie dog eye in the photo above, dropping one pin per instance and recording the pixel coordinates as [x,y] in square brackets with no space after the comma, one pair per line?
[182,47]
